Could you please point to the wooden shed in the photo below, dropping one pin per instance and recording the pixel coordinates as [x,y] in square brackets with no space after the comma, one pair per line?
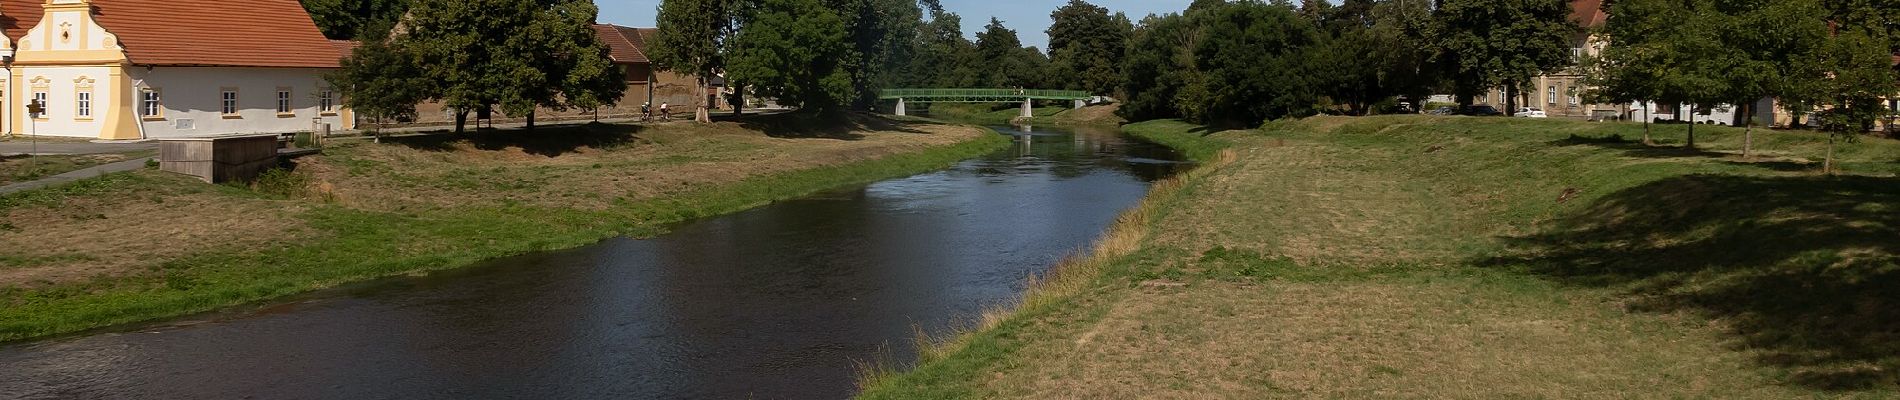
[219,159]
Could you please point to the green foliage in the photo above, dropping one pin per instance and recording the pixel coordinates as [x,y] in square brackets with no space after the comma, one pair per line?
[355,19]
[1002,61]
[1485,43]
[1159,65]
[794,51]
[1372,51]
[382,81]
[1255,57]
[1086,45]
[518,54]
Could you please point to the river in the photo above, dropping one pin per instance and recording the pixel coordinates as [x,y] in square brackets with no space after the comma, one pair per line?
[781,301]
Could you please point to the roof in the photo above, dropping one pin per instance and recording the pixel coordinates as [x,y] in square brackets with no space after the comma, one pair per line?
[19,16]
[252,33]
[1588,13]
[623,43]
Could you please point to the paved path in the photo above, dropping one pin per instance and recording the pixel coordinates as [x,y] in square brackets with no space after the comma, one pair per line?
[17,147]
[121,166]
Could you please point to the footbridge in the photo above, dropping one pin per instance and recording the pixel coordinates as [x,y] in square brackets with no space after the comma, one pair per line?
[1027,96]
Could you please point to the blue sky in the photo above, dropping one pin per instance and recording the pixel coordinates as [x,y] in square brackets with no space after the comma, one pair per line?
[1028,17]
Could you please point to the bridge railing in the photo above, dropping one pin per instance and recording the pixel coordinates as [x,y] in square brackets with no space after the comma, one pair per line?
[999,94]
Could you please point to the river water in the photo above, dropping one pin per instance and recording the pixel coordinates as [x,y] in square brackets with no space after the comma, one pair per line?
[776,302]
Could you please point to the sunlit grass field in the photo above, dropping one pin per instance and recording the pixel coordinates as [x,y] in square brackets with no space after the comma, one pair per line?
[1434,257]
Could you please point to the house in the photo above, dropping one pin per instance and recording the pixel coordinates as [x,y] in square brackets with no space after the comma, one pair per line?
[627,48]
[135,69]
[1561,94]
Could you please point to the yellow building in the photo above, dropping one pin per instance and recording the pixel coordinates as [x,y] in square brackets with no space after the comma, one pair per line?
[138,69]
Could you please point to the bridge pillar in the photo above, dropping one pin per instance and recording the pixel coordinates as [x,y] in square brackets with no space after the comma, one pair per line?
[1029,108]
[1081,103]
[900,107]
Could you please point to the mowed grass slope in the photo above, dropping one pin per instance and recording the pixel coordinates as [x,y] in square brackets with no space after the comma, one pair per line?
[137,246]
[1426,257]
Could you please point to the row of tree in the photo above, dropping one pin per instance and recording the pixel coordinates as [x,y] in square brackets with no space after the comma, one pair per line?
[478,55]
[1833,55]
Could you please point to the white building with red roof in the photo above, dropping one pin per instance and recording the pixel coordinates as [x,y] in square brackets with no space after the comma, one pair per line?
[136,69]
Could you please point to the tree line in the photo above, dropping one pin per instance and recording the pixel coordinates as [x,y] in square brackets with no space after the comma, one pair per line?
[1223,62]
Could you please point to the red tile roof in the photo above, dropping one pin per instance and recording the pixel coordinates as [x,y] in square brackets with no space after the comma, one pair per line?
[250,33]
[19,16]
[1588,13]
[620,44]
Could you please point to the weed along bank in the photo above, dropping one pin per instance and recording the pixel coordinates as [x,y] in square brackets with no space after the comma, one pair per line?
[144,69]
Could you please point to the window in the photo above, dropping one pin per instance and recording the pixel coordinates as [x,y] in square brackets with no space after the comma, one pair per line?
[283,100]
[327,101]
[1552,92]
[84,107]
[230,102]
[149,103]
[40,97]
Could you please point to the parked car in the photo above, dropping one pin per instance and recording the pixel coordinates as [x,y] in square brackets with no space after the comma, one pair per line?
[1444,110]
[1532,113]
[1481,111]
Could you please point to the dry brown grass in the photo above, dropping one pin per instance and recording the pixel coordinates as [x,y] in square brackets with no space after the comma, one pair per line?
[128,230]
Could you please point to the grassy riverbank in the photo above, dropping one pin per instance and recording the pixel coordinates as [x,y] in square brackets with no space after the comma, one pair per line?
[144,245]
[987,114]
[1465,257]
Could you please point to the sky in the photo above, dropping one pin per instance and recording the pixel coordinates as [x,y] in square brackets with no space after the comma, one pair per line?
[1028,17]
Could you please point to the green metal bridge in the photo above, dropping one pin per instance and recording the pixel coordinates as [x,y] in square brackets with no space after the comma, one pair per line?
[1027,96]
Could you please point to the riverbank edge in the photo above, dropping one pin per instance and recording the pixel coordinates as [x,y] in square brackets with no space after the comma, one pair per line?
[957,356]
[107,311]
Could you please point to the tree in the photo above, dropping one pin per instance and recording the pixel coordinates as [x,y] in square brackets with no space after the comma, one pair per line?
[692,40]
[939,53]
[518,54]
[355,19]
[880,32]
[1372,51]
[1002,61]
[794,51]
[1159,64]
[1507,42]
[1086,45]
[1663,51]
[1860,63]
[1253,58]
[1770,48]
[381,81]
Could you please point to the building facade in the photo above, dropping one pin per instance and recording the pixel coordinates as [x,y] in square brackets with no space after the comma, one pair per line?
[138,69]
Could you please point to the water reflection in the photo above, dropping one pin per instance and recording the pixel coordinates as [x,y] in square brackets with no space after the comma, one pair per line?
[775,302]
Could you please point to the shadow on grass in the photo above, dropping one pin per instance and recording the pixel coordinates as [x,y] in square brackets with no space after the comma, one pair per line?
[548,141]
[1805,270]
[843,126]
[1635,148]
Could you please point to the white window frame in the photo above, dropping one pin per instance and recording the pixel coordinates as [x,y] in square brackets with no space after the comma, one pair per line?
[1553,94]
[283,102]
[40,95]
[228,102]
[151,103]
[326,101]
[82,104]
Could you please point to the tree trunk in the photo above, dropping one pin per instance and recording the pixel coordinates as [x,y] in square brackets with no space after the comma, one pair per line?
[461,120]
[1510,99]
[1691,119]
[1646,119]
[1748,132]
[702,114]
[531,120]
[1827,166]
[738,97]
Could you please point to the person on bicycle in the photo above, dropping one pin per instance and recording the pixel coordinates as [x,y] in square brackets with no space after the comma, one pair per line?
[666,112]
[646,111]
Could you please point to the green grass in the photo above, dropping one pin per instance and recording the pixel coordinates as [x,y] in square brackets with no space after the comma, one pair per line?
[1468,257]
[357,244]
